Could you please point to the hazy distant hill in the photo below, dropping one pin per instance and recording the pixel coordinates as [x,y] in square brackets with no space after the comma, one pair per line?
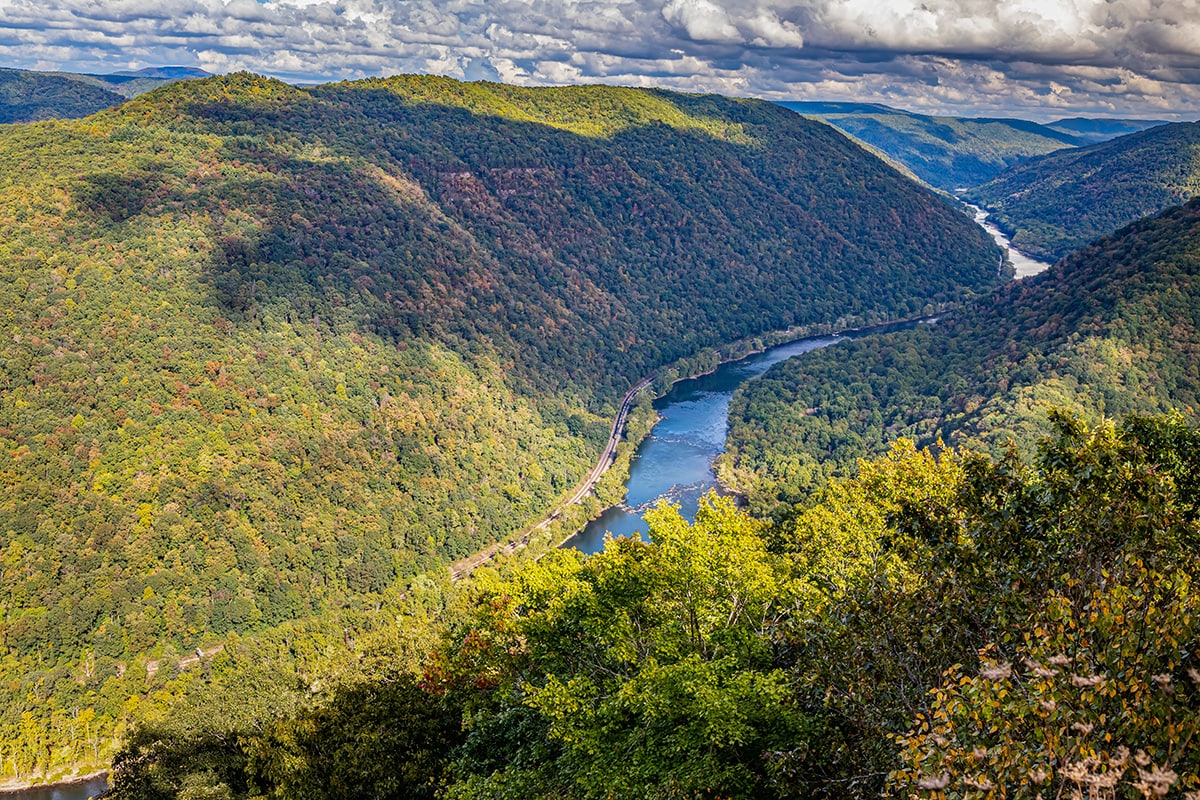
[821,108]
[1093,130]
[1056,203]
[161,73]
[946,152]
[1112,329]
[135,82]
[28,96]
[270,353]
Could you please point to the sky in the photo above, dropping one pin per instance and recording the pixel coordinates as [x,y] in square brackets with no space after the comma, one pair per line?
[1038,59]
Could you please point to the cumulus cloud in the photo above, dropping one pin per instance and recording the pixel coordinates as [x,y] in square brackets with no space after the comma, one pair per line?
[701,20]
[1036,58]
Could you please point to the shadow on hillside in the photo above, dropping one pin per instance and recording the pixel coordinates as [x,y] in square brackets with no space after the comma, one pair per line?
[561,252]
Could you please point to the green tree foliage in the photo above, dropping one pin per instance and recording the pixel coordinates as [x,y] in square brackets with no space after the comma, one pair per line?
[833,654]
[648,666]
[269,354]
[1111,330]
[1059,202]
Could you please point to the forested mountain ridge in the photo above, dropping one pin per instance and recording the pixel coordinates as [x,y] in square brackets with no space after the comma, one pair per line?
[1059,202]
[268,353]
[1111,330]
[498,178]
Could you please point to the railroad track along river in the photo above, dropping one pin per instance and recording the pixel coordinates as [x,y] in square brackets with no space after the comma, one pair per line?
[463,568]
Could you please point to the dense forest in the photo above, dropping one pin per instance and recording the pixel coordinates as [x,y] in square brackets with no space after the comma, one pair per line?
[1111,330]
[1056,203]
[1013,616]
[949,627]
[947,152]
[272,357]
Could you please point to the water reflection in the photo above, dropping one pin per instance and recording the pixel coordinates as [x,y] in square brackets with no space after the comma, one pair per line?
[92,787]
[1023,265]
[675,461]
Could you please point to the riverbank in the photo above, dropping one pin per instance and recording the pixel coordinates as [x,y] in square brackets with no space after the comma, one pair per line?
[1024,265]
[13,789]
[578,508]
[677,461]
[563,521]
[609,457]
[709,360]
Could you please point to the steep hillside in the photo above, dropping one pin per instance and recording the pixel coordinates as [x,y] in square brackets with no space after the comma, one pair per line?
[1113,329]
[269,353]
[1057,203]
[29,96]
[946,152]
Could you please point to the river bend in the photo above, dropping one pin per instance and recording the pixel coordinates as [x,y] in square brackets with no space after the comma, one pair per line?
[676,460]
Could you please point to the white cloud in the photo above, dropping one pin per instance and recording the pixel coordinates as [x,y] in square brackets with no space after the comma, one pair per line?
[701,20]
[770,31]
[993,56]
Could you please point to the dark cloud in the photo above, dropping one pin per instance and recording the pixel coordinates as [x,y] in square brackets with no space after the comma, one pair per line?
[1037,58]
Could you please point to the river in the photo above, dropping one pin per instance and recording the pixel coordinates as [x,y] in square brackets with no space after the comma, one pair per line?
[676,460]
[1023,265]
[92,787]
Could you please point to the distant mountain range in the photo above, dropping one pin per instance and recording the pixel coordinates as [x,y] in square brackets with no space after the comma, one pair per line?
[157,73]
[28,96]
[1088,130]
[957,152]
[1052,187]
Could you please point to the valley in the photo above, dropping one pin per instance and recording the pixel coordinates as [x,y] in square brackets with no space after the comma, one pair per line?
[678,459]
[1023,266]
[276,354]
[1088,335]
[955,152]
[1057,203]
[302,387]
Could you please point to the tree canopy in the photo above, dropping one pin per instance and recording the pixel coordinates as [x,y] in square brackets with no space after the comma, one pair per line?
[944,626]
[269,354]
[1111,330]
